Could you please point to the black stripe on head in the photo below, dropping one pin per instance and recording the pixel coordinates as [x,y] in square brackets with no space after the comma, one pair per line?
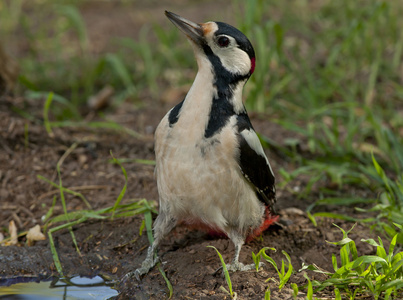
[242,41]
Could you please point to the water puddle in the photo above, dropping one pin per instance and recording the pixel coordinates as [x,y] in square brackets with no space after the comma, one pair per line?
[35,288]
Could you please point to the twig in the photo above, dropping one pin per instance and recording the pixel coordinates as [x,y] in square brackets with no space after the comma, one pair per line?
[74,188]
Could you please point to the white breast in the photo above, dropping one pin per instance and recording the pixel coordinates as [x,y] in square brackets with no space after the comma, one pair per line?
[199,179]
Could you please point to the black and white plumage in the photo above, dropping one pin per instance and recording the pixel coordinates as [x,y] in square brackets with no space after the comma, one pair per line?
[210,165]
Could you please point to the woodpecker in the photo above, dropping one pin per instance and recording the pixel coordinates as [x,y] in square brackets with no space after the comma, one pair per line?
[211,169]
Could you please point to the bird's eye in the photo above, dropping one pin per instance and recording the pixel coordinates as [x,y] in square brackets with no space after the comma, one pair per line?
[223,41]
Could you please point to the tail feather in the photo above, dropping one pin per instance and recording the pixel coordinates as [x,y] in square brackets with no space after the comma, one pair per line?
[269,219]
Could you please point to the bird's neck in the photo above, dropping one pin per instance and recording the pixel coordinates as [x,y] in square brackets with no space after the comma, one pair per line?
[213,98]
[229,91]
[196,107]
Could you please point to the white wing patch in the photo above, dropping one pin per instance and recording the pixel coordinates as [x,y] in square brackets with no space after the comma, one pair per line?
[252,139]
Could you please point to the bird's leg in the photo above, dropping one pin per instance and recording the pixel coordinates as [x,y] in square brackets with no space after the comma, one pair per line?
[235,265]
[150,261]
[162,226]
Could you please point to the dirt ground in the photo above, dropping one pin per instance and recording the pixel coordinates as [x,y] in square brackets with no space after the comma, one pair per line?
[113,248]
[107,246]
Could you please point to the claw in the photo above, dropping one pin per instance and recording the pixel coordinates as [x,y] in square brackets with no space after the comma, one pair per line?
[146,266]
[136,274]
[238,266]
[261,265]
[216,271]
[130,275]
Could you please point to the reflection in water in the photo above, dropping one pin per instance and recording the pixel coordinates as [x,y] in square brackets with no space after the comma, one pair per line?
[37,288]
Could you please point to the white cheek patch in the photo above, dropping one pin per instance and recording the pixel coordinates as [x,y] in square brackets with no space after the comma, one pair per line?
[234,59]
[252,139]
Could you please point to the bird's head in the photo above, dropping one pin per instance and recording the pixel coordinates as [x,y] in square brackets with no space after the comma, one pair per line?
[227,49]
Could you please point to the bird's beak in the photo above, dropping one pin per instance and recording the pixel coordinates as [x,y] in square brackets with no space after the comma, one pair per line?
[192,30]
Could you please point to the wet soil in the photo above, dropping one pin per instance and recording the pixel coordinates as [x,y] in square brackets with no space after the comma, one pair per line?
[113,248]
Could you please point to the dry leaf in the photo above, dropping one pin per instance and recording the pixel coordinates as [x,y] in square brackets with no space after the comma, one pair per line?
[1,237]
[35,234]
[293,211]
[13,233]
[101,100]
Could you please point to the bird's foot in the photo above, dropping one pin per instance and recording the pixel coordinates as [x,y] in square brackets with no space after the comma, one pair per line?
[146,266]
[238,266]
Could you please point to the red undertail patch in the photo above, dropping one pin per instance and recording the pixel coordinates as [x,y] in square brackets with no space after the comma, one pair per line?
[214,232]
[200,225]
[269,219]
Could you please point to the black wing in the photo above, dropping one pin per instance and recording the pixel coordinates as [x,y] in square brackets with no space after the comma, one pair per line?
[253,162]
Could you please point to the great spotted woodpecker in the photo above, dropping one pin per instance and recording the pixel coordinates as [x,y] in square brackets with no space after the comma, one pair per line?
[211,169]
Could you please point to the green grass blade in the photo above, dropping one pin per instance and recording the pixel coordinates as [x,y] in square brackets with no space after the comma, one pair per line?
[123,191]
[46,108]
[290,270]
[136,160]
[267,294]
[256,260]
[168,283]
[122,72]
[335,216]
[309,295]
[295,290]
[225,270]
[74,193]
[76,21]
[55,256]
[149,221]
[50,211]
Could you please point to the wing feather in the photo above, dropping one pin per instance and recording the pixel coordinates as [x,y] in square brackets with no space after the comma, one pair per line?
[254,164]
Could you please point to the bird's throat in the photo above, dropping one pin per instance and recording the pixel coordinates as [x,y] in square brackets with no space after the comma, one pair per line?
[213,98]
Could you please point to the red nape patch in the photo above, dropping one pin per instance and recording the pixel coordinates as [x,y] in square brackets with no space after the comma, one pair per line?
[252,65]
[269,219]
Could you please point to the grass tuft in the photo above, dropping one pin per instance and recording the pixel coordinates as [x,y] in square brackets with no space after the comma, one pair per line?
[283,275]
[70,219]
[379,275]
